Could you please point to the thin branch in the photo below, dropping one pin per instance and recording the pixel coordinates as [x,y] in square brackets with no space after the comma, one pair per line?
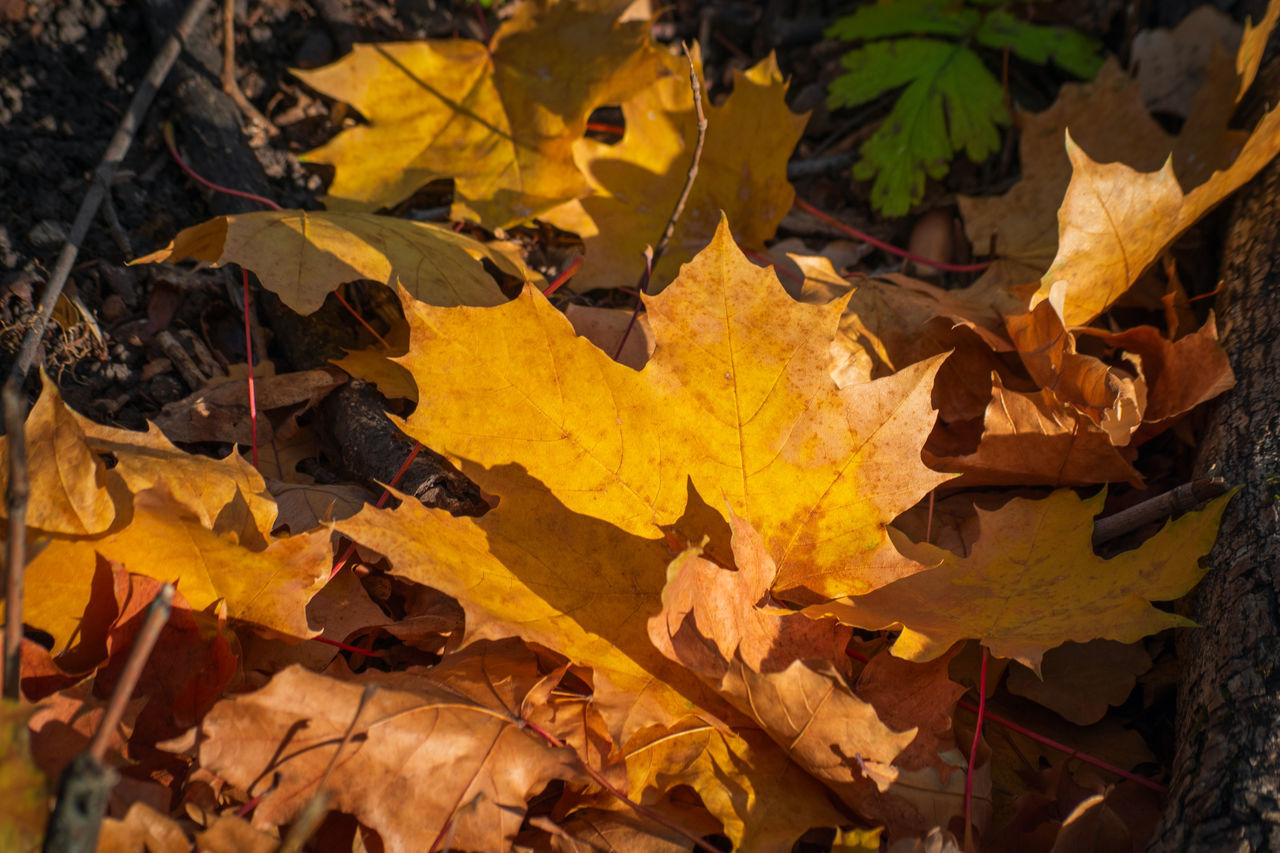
[652,258]
[103,175]
[314,811]
[1182,499]
[229,83]
[15,409]
[157,616]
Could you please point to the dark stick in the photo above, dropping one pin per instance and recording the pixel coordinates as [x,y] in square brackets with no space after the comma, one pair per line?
[15,407]
[1182,499]
[103,176]
[652,259]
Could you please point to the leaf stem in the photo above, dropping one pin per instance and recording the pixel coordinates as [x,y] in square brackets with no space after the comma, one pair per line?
[652,257]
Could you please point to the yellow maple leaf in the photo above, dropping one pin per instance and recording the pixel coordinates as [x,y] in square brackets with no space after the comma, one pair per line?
[737,398]
[635,183]
[301,256]
[500,119]
[1031,582]
[203,523]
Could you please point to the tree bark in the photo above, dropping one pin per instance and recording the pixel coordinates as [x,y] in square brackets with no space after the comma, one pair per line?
[1225,793]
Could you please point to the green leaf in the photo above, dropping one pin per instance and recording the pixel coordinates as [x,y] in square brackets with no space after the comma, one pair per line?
[951,103]
[1071,51]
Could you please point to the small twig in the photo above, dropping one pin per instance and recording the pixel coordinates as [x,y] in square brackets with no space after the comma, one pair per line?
[799,169]
[565,274]
[113,223]
[1182,499]
[15,407]
[314,811]
[229,83]
[888,247]
[157,616]
[652,257]
[111,160]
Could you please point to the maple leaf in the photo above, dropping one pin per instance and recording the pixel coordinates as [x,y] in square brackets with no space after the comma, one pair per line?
[162,539]
[302,256]
[1031,582]
[635,183]
[738,399]
[762,667]
[467,768]
[67,483]
[1034,438]
[500,119]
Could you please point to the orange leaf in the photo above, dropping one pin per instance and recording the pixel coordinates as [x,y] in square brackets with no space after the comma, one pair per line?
[467,769]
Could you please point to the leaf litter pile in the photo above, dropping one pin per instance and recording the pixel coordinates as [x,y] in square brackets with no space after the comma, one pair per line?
[812,559]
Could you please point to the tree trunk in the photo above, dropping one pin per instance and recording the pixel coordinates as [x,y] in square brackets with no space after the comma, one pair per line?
[1225,793]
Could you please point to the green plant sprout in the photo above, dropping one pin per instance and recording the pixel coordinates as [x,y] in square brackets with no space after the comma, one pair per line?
[951,102]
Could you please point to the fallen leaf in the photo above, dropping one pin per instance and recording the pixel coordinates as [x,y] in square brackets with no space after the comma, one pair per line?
[774,667]
[499,119]
[1034,439]
[635,183]
[67,483]
[142,829]
[302,256]
[220,412]
[1031,582]
[738,398]
[467,770]
[23,790]
[268,588]
[1115,221]
[1082,681]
